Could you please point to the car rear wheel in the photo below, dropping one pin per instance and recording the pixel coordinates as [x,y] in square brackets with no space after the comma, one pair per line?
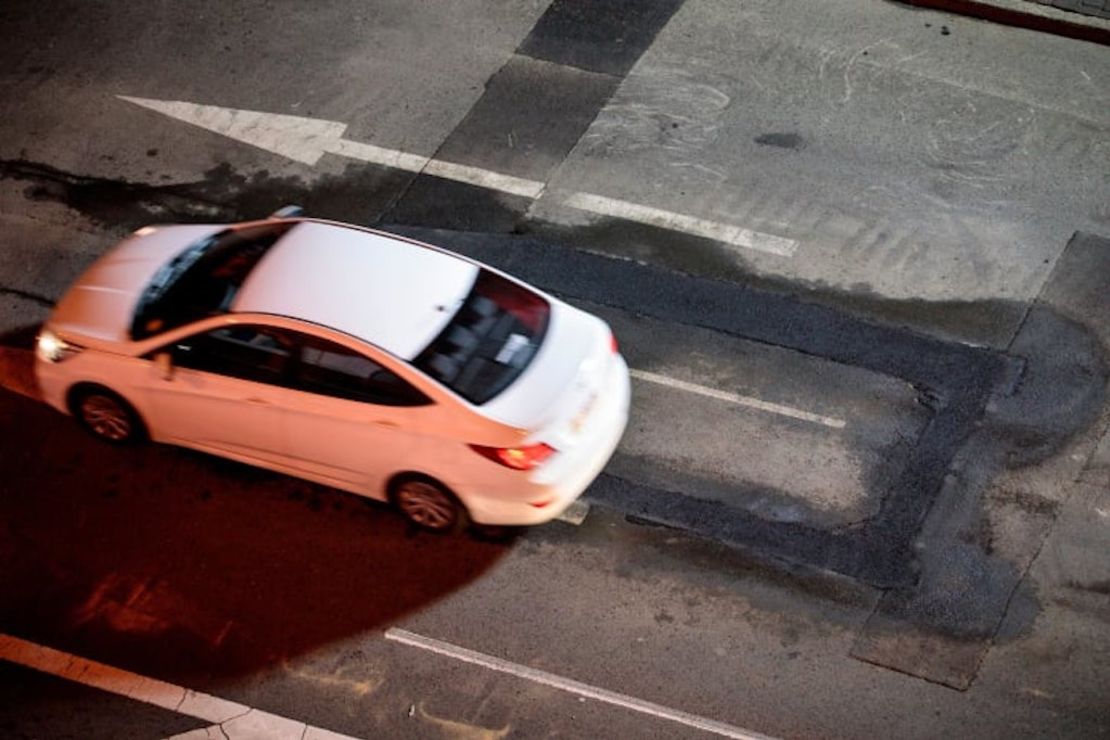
[428,504]
[107,416]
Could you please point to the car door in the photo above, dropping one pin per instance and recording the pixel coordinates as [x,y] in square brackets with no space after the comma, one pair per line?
[225,394]
[353,421]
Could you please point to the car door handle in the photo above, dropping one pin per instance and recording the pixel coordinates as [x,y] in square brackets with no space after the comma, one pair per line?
[257,400]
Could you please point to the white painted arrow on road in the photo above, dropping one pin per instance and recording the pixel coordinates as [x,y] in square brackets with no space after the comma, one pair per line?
[306,140]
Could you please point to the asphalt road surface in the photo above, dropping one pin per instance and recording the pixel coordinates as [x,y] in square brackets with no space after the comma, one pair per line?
[856,254]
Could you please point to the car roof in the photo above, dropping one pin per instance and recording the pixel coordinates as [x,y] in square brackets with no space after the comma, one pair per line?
[392,293]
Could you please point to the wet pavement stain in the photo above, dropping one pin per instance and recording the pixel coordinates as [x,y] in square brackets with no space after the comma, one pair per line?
[360,194]
[985,322]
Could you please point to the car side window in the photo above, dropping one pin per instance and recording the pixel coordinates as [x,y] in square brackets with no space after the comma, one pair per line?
[330,369]
[253,353]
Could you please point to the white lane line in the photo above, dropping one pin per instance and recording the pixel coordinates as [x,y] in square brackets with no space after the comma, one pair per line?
[437,167]
[485,178]
[238,721]
[306,140]
[727,233]
[376,154]
[755,403]
[570,685]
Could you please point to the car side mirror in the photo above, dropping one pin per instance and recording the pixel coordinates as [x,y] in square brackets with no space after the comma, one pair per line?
[164,362]
[290,211]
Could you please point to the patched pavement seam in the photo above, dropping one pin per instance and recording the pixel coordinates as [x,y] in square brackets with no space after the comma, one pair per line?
[534,110]
[880,551]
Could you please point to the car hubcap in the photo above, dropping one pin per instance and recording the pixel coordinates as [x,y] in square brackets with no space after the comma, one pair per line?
[426,505]
[106,417]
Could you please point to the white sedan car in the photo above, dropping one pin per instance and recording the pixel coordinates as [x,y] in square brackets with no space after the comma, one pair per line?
[364,361]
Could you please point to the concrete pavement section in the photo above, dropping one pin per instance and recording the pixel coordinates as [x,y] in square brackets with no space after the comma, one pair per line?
[906,163]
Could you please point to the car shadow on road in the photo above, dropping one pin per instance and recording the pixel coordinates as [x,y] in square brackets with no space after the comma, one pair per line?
[184,567]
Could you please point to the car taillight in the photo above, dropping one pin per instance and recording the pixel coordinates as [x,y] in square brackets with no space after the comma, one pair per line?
[613,343]
[517,458]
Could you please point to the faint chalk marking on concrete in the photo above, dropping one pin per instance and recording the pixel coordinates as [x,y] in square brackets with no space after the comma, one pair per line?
[339,679]
[457,729]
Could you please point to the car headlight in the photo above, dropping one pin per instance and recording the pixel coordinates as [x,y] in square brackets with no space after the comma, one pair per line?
[51,348]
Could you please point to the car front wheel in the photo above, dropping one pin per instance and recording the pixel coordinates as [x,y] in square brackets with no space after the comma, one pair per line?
[107,416]
[428,505]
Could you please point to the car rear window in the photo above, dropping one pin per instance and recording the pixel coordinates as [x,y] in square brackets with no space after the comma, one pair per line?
[489,341]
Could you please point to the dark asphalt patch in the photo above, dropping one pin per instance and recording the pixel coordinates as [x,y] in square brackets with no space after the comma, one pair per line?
[606,36]
[966,589]
[529,118]
[985,322]
[535,109]
[956,379]
[878,551]
[947,592]
[783,141]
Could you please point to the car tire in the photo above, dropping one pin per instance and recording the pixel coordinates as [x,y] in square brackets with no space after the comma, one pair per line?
[428,504]
[107,416]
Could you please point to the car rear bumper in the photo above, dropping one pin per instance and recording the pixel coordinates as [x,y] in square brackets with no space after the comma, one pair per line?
[558,484]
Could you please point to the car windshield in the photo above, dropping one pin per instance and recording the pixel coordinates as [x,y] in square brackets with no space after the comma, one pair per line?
[203,279]
[489,341]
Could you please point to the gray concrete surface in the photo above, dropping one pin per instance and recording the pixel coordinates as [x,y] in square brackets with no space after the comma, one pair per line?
[910,164]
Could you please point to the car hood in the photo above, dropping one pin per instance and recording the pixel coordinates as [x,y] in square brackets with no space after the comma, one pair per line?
[101,303]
